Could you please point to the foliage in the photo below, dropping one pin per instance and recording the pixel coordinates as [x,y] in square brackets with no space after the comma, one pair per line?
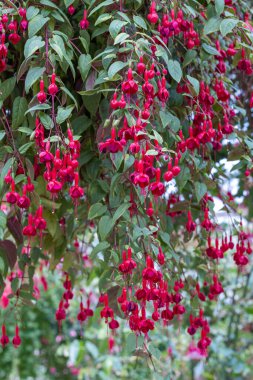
[123,124]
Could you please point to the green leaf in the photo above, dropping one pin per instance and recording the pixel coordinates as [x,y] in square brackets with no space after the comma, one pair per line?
[175,70]
[18,111]
[200,189]
[57,44]
[31,12]
[124,16]
[64,89]
[51,222]
[183,177]
[151,152]
[102,18]
[35,24]
[32,45]
[32,76]
[132,342]
[2,134]
[219,6]
[120,211]
[91,102]
[6,168]
[116,67]
[96,210]
[105,226]
[80,124]
[99,248]
[195,83]
[7,87]
[212,25]
[210,49]
[46,120]
[189,57]
[228,25]
[115,27]
[38,107]
[63,114]
[24,148]
[139,21]
[84,65]
[15,285]
[169,120]
[120,38]
[3,219]
[68,3]
[103,4]
[9,249]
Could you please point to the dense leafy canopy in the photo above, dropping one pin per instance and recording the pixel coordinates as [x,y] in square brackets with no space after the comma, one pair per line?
[126,185]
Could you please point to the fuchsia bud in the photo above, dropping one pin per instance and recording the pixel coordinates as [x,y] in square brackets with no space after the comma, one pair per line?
[4,338]
[71,10]
[41,96]
[16,341]
[84,23]
[53,89]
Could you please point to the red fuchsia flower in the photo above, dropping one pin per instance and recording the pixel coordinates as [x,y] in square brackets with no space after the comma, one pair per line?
[111,145]
[4,338]
[141,67]
[12,196]
[118,104]
[76,191]
[53,88]
[128,264]
[82,315]
[161,257]
[200,295]
[29,186]
[163,93]
[194,353]
[222,94]
[60,313]
[4,300]
[71,10]
[129,87]
[134,148]
[22,12]
[54,186]
[251,100]
[84,23]
[245,64]
[150,210]
[40,223]
[3,48]
[231,51]
[41,96]
[2,65]
[215,289]
[16,341]
[141,179]
[153,16]
[23,24]
[190,225]
[23,201]
[168,175]
[149,273]
[29,230]
[192,143]
[207,224]
[106,312]
[14,38]
[111,344]
[157,188]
